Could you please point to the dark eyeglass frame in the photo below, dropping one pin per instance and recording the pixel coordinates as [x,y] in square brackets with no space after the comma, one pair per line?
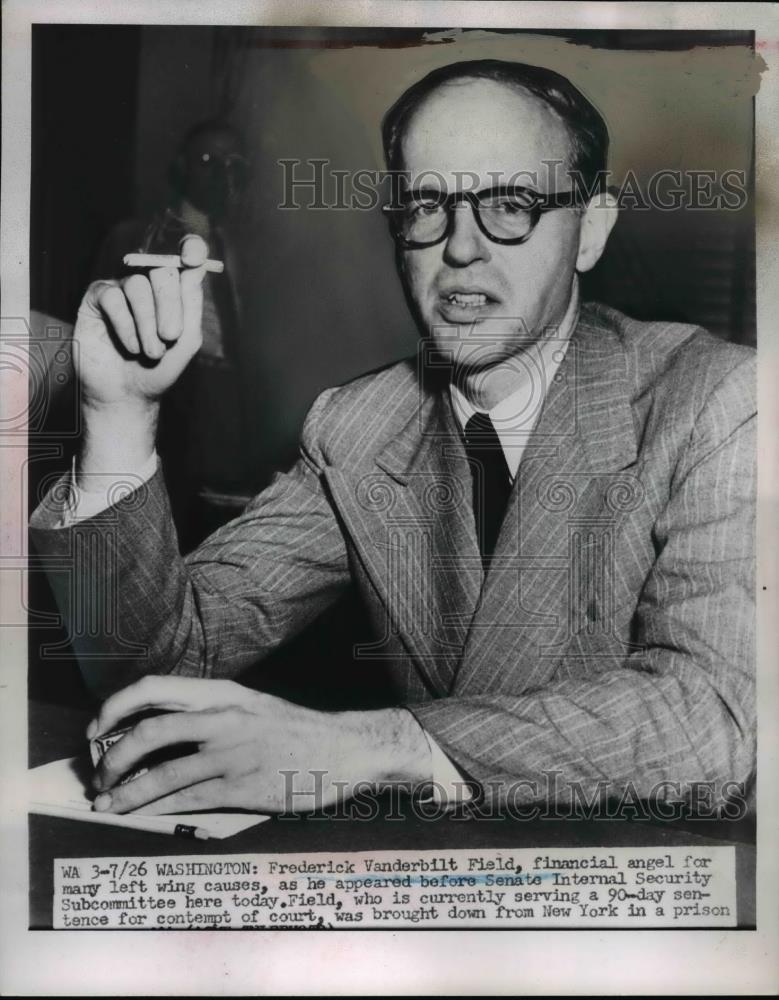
[538,204]
[233,161]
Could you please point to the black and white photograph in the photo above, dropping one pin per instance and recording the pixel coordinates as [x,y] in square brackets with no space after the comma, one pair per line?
[383,548]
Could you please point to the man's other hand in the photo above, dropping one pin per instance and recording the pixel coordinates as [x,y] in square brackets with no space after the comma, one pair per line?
[255,751]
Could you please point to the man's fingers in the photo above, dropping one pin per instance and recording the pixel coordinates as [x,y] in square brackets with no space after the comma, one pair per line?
[174,694]
[137,290]
[148,313]
[192,307]
[161,781]
[106,301]
[147,736]
[167,301]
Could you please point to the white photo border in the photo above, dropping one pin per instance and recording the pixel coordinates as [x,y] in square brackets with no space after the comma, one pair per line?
[266,963]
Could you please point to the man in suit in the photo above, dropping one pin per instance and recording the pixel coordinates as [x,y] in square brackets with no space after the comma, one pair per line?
[548,515]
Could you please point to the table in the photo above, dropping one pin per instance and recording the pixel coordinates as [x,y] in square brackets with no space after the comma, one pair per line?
[58,731]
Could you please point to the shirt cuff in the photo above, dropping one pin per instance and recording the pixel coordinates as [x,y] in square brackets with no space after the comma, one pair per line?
[449,785]
[102,491]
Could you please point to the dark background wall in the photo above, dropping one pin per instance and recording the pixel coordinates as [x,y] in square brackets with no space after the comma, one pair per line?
[84,117]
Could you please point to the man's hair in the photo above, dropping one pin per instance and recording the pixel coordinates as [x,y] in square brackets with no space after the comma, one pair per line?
[589,136]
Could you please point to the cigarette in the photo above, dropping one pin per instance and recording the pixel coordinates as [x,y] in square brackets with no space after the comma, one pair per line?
[166,260]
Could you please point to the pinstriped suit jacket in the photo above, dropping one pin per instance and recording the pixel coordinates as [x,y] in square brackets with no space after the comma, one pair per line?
[613,637]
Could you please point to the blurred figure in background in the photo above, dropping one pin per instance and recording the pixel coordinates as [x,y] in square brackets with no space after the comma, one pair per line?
[203,423]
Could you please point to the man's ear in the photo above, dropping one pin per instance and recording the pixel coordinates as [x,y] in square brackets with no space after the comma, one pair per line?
[596,225]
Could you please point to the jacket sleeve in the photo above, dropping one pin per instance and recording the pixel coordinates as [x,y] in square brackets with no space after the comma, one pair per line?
[680,710]
[132,605]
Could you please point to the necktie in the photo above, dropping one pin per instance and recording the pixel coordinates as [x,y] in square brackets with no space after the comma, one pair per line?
[491,481]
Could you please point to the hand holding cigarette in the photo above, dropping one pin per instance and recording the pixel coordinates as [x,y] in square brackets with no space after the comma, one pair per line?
[133,338]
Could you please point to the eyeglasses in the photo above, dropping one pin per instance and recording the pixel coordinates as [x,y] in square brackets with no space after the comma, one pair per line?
[232,163]
[506,215]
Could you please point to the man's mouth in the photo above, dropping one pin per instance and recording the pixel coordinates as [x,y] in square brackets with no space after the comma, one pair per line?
[459,304]
[467,298]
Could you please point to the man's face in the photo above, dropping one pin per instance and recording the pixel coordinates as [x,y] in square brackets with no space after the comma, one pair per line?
[214,172]
[511,292]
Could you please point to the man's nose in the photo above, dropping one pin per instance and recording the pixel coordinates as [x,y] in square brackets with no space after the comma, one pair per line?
[466,242]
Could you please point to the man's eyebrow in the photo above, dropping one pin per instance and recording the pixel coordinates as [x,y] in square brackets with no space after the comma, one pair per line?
[438,193]
[424,193]
[524,186]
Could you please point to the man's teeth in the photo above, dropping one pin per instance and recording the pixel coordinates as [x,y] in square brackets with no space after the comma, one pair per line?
[471,299]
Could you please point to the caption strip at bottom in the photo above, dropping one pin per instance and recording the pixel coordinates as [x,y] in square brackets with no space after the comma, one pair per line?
[634,887]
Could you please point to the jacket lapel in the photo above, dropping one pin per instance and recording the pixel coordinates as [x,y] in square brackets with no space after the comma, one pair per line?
[555,541]
[411,520]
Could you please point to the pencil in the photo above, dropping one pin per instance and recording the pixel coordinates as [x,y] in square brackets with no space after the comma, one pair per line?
[166,260]
[150,824]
